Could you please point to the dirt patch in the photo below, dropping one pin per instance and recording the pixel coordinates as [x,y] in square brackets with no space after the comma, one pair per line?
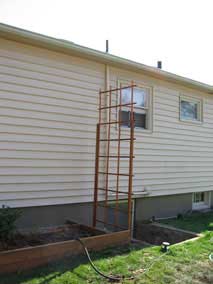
[53,235]
[155,233]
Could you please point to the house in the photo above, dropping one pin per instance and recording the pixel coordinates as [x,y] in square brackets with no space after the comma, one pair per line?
[48,99]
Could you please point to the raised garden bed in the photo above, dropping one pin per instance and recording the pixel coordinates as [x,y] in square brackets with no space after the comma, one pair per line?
[51,235]
[155,233]
[50,246]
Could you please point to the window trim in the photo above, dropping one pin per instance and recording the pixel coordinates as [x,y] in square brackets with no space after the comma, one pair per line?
[193,100]
[149,129]
[206,204]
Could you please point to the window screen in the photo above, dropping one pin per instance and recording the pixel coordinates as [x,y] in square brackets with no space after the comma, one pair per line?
[190,109]
[125,118]
[141,99]
[140,119]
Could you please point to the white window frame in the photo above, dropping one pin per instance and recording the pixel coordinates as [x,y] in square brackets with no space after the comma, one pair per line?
[202,204]
[199,102]
[137,109]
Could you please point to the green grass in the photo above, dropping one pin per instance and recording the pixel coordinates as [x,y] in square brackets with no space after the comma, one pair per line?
[185,264]
[196,222]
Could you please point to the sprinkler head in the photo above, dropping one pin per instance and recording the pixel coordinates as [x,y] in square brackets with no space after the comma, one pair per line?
[165,246]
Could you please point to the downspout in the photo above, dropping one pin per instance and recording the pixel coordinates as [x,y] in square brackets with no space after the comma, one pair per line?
[107,76]
[107,87]
[106,102]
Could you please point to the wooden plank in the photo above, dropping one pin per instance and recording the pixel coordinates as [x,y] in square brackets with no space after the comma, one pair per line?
[30,257]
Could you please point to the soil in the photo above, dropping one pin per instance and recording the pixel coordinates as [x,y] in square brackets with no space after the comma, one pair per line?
[155,233]
[59,234]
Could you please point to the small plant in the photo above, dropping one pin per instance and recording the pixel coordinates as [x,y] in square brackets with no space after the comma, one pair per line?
[8,217]
[180,216]
[153,219]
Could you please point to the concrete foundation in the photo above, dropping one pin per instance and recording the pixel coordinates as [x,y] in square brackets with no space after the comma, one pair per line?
[33,218]
[162,206]
[145,208]
[211,199]
[54,215]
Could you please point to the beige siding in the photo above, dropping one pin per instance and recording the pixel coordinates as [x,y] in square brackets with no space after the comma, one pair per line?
[175,157]
[48,113]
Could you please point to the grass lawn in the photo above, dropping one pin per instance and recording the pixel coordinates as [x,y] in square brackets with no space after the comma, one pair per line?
[185,264]
[196,222]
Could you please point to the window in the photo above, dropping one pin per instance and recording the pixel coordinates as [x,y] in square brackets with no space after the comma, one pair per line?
[190,109]
[141,98]
[201,200]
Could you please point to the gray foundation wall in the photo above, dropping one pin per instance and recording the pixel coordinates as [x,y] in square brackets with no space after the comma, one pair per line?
[54,215]
[145,208]
[162,206]
[33,218]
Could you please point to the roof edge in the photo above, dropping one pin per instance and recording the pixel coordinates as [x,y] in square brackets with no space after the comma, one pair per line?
[67,47]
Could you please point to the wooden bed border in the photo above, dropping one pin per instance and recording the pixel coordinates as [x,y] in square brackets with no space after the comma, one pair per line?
[30,257]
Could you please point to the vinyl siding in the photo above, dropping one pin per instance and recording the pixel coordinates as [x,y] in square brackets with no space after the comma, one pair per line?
[174,156]
[48,115]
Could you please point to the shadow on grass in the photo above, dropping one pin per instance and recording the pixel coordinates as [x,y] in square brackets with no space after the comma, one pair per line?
[45,274]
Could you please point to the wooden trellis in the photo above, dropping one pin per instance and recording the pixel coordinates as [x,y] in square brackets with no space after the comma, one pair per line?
[106,122]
